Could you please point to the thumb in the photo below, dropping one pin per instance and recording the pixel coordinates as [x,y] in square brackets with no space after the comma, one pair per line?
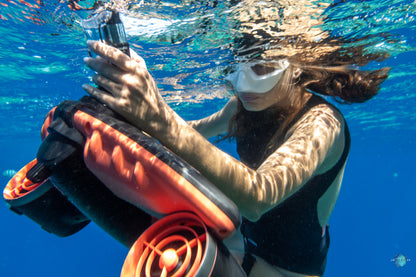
[138,59]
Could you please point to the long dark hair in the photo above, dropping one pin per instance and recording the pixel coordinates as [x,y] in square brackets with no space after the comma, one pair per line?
[344,84]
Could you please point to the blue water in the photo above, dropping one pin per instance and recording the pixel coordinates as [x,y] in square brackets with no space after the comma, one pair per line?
[41,65]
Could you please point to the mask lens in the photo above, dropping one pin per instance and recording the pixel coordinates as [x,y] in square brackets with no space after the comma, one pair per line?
[262,69]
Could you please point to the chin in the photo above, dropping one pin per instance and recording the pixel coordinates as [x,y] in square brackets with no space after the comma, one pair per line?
[252,107]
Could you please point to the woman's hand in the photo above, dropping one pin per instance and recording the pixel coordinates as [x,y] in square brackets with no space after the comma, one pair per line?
[125,85]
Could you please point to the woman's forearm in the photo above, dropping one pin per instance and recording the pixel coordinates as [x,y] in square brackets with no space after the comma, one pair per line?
[221,169]
[217,123]
[256,192]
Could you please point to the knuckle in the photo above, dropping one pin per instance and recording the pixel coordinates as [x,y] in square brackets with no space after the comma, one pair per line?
[124,104]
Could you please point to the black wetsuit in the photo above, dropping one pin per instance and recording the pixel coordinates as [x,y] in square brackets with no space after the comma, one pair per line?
[288,236]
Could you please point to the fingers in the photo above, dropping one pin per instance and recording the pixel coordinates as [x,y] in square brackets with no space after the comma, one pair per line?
[108,85]
[116,57]
[100,95]
[112,54]
[113,64]
[138,59]
[102,67]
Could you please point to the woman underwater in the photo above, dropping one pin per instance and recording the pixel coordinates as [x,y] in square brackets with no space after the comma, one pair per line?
[292,143]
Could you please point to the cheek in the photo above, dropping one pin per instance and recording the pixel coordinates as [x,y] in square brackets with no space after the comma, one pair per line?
[268,100]
[273,97]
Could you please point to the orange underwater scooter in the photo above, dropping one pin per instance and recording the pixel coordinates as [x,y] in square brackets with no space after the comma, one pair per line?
[93,166]
[90,159]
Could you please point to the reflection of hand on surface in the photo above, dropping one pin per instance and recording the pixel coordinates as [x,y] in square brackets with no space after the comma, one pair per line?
[126,86]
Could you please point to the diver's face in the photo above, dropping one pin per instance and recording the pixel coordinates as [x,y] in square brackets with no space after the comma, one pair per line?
[256,102]
[256,83]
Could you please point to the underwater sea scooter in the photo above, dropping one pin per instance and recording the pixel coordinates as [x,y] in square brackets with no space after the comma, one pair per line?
[90,159]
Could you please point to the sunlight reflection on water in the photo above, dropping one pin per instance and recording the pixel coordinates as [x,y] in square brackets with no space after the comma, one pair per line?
[188,46]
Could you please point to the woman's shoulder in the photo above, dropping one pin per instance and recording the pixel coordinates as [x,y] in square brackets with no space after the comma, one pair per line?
[319,108]
[325,127]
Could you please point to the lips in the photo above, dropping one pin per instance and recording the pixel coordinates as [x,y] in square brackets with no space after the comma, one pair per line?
[248,97]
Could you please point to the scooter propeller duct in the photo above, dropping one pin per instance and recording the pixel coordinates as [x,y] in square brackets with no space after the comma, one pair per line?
[179,245]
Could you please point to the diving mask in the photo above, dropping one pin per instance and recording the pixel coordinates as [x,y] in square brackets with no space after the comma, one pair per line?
[257,77]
